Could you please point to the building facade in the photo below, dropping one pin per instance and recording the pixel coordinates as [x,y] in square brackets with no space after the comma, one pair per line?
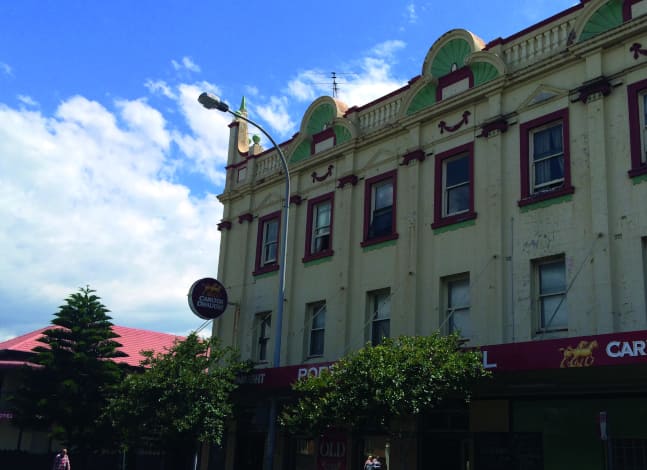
[500,193]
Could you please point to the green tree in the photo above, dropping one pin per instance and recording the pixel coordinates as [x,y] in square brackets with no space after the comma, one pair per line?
[375,385]
[182,397]
[74,376]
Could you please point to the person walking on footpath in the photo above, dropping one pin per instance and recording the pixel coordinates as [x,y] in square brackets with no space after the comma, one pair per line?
[368,465]
[61,461]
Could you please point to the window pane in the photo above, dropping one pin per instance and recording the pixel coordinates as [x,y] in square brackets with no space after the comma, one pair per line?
[383,195]
[458,199]
[321,229]
[551,309]
[270,241]
[316,343]
[264,324]
[321,243]
[380,331]
[269,253]
[552,278]
[547,142]
[319,317]
[322,218]
[458,306]
[380,313]
[460,322]
[382,306]
[271,231]
[381,224]
[457,171]
[548,170]
[459,293]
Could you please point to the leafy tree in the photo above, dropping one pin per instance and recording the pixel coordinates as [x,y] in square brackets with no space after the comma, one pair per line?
[74,375]
[182,397]
[375,385]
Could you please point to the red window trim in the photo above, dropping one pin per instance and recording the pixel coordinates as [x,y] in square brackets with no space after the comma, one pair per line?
[368,186]
[638,167]
[308,256]
[527,197]
[439,219]
[258,267]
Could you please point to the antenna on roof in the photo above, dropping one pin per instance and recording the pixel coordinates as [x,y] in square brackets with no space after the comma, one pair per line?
[334,84]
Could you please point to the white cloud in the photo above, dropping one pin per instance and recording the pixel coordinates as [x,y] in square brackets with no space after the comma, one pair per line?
[371,78]
[27,100]
[251,90]
[146,122]
[307,85]
[190,65]
[186,63]
[387,49]
[410,13]
[275,113]
[88,196]
[160,87]
[6,69]
[206,146]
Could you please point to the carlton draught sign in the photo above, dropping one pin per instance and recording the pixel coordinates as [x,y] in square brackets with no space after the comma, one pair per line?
[207,298]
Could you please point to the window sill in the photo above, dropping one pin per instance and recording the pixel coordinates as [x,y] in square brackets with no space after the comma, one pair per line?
[375,241]
[638,171]
[454,219]
[530,199]
[556,332]
[316,256]
[266,269]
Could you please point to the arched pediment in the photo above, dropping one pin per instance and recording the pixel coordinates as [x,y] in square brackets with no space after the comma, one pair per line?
[451,52]
[323,126]
[597,17]
[320,115]
[455,63]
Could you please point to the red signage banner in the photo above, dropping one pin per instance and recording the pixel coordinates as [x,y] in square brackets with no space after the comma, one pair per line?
[281,377]
[584,351]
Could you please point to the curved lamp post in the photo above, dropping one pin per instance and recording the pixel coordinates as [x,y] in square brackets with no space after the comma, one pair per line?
[210,101]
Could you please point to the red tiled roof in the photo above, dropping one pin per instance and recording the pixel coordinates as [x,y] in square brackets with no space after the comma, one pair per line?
[132,340]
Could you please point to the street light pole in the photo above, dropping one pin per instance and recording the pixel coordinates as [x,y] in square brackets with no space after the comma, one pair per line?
[210,101]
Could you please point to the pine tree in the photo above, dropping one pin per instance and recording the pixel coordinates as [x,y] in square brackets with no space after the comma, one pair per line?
[72,377]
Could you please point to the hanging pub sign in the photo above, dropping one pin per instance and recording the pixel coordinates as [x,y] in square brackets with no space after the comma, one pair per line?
[207,298]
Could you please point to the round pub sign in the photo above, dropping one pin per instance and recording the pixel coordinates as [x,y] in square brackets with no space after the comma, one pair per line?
[207,298]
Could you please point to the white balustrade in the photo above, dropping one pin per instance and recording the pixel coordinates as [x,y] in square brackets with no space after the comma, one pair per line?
[537,45]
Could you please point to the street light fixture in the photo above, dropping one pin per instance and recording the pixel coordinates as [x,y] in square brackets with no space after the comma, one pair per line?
[210,101]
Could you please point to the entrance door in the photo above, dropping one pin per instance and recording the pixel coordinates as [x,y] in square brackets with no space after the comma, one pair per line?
[250,449]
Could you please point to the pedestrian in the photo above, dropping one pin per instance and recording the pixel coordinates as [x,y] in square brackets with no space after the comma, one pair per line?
[368,465]
[61,461]
[377,463]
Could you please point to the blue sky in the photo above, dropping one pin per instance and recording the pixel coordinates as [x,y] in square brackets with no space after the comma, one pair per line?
[109,168]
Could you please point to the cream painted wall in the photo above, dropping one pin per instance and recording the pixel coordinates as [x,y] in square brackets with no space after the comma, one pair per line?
[599,228]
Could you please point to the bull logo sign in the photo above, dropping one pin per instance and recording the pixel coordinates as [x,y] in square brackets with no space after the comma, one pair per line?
[207,298]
